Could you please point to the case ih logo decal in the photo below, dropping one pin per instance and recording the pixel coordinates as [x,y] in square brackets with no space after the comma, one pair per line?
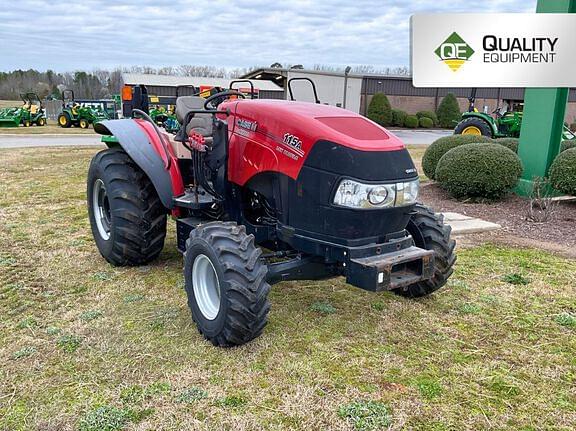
[454,52]
[247,124]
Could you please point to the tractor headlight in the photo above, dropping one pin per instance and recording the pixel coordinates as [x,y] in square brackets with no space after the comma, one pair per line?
[353,194]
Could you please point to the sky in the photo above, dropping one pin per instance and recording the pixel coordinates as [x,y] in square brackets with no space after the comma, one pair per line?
[91,34]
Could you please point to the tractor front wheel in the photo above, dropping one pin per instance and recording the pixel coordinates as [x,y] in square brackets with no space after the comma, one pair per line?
[41,122]
[127,217]
[226,283]
[83,123]
[26,123]
[64,120]
[429,232]
[473,126]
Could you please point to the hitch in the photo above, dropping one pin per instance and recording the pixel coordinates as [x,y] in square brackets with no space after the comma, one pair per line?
[392,270]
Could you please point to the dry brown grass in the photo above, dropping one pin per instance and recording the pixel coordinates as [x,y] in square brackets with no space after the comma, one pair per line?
[480,354]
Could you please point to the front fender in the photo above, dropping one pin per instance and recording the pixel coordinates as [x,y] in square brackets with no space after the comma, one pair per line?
[134,140]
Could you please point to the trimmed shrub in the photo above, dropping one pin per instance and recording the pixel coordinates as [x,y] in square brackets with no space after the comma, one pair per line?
[510,143]
[563,172]
[428,114]
[483,170]
[448,112]
[398,117]
[380,110]
[566,145]
[411,121]
[441,146]
[426,123]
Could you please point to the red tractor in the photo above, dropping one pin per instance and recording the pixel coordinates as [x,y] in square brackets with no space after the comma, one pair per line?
[264,191]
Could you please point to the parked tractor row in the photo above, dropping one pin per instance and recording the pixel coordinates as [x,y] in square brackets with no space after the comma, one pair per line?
[30,113]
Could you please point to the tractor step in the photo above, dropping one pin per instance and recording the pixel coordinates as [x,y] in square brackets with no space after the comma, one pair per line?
[391,270]
[195,201]
[183,228]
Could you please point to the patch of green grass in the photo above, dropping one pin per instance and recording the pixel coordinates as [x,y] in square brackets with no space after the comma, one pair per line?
[69,343]
[90,315]
[366,415]
[502,387]
[566,319]
[516,279]
[102,276]
[134,297]
[105,418]
[429,388]
[379,306]
[469,308]
[53,330]
[323,307]
[232,401]
[136,394]
[24,352]
[191,395]
[27,323]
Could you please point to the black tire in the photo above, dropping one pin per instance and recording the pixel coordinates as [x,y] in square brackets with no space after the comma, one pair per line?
[429,232]
[83,123]
[473,122]
[241,279]
[41,122]
[26,123]
[64,120]
[131,209]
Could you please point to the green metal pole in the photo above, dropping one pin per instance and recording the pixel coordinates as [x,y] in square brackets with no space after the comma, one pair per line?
[544,111]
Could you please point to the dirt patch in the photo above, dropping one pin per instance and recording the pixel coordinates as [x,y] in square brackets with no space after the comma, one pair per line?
[557,235]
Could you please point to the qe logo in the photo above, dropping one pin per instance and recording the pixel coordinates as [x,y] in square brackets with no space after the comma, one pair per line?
[454,52]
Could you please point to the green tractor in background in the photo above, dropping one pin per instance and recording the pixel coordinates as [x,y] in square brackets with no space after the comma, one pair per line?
[501,124]
[77,114]
[164,117]
[31,113]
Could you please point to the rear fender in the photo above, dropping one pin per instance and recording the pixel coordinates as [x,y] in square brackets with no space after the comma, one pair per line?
[148,153]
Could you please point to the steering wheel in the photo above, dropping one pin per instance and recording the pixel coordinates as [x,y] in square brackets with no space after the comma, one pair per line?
[222,95]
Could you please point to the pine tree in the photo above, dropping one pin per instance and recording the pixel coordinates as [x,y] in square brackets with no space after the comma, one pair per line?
[380,110]
[448,112]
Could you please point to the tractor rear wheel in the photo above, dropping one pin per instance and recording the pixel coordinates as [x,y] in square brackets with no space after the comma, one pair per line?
[64,120]
[83,123]
[226,284]
[473,126]
[429,232]
[127,217]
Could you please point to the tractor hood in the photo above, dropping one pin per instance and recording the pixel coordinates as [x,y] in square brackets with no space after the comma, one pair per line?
[312,122]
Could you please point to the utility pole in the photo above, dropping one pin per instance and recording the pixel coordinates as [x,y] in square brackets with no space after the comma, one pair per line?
[346,72]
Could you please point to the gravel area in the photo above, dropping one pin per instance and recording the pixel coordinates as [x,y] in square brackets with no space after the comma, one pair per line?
[511,213]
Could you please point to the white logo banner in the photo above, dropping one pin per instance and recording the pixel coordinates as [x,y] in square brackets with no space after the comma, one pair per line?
[494,50]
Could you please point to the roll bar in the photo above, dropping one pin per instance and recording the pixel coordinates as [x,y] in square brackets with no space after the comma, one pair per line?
[237,81]
[303,79]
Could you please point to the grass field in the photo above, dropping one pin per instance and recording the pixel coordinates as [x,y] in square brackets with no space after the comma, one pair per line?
[87,346]
[50,128]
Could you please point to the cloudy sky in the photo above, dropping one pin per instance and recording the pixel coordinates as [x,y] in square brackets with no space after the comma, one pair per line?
[88,34]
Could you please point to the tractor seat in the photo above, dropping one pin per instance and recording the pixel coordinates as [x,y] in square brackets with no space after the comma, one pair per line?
[200,123]
[33,109]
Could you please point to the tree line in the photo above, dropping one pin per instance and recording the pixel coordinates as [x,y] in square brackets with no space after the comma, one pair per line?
[101,83]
